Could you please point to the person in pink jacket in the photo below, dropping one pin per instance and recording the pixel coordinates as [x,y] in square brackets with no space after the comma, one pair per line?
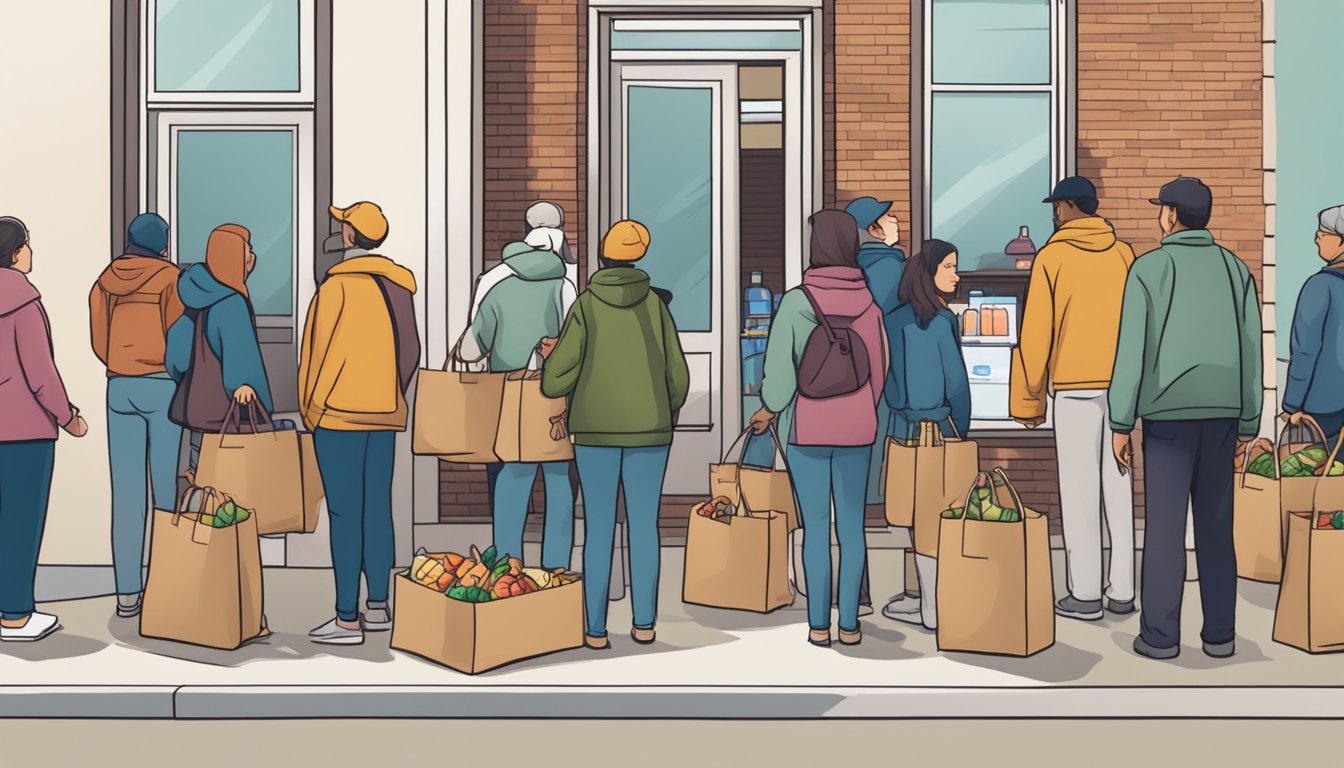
[827,359]
[35,404]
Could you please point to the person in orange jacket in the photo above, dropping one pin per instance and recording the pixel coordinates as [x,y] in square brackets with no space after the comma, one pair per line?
[1067,349]
[361,349]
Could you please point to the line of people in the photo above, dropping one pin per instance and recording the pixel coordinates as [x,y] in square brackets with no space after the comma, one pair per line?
[1171,338]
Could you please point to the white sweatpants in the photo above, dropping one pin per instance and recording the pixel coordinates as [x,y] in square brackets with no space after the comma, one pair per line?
[1090,488]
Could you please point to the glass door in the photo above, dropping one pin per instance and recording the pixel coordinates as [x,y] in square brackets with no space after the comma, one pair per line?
[673,137]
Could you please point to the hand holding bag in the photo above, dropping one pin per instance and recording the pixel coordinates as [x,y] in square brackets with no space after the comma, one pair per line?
[762,487]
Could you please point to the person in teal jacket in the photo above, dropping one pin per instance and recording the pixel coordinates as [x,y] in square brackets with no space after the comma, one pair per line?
[882,262]
[514,317]
[1316,360]
[927,379]
[216,292]
[620,362]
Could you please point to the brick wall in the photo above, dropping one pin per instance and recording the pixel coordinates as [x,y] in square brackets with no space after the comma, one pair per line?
[867,120]
[1182,98]
[535,145]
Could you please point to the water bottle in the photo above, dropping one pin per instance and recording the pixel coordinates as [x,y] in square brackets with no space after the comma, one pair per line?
[756,300]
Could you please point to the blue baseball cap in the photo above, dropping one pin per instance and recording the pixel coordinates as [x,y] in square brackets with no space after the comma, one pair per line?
[1072,188]
[148,231]
[1188,196]
[867,210]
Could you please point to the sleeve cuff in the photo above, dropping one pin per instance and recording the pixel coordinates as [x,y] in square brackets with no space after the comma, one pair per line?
[1121,429]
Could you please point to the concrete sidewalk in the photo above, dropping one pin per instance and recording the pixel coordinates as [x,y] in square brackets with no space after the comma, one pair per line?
[707,664]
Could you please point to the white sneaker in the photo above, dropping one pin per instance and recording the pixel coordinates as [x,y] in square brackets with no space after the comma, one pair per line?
[332,633]
[39,626]
[899,605]
[378,618]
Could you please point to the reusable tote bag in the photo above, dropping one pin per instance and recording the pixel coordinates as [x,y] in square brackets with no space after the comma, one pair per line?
[531,425]
[763,487]
[995,593]
[1257,521]
[204,585]
[457,412]
[925,476]
[257,465]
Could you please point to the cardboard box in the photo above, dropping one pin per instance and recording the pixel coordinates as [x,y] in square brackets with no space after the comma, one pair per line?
[477,637]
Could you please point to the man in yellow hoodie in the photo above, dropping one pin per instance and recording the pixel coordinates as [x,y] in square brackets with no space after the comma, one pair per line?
[360,349]
[1067,349]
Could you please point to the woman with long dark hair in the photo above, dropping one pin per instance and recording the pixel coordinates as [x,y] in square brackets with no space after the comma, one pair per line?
[833,389]
[927,380]
[34,405]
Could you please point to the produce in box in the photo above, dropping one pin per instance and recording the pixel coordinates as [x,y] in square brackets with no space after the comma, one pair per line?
[1331,520]
[483,576]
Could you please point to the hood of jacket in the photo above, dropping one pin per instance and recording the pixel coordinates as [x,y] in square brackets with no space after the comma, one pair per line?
[532,264]
[620,286]
[839,291]
[15,291]
[871,253]
[1093,234]
[375,266]
[129,274]
[199,289]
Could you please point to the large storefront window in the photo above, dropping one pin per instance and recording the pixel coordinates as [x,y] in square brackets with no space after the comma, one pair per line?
[239,45]
[994,122]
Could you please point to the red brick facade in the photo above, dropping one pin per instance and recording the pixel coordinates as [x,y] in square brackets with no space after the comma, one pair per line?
[1154,101]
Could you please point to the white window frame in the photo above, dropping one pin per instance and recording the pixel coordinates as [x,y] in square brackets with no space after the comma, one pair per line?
[1060,88]
[300,126]
[156,98]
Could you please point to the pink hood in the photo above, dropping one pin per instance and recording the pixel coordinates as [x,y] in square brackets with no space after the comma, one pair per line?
[30,388]
[849,420]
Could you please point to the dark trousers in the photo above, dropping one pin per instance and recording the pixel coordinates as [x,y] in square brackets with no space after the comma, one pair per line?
[1188,461]
[25,484]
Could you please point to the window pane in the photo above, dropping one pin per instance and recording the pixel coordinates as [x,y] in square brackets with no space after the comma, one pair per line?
[988,183]
[991,41]
[239,45]
[670,192]
[241,177]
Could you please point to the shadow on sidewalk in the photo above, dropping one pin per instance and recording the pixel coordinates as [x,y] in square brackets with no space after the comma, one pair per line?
[1193,656]
[61,645]
[280,646]
[1059,663]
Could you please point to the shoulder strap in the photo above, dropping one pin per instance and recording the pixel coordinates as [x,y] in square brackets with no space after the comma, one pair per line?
[392,317]
[821,316]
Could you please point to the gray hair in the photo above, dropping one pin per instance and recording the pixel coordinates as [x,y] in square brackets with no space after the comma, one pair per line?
[545,214]
[1332,220]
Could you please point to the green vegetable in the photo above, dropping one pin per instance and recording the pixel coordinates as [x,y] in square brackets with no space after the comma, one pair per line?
[953,514]
[1337,521]
[1336,470]
[489,557]
[458,593]
[501,569]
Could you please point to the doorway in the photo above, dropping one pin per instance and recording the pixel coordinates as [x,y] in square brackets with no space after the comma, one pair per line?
[704,132]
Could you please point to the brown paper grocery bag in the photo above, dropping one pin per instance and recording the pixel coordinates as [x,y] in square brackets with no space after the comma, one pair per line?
[261,469]
[925,476]
[457,412]
[765,487]
[313,490]
[995,593]
[527,421]
[1298,494]
[739,562]
[1257,520]
[1310,613]
[204,585]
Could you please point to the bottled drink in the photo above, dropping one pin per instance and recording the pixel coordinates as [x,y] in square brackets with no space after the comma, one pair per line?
[756,300]
[1022,248]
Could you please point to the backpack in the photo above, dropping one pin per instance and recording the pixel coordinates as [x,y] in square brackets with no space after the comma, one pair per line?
[835,359]
[200,403]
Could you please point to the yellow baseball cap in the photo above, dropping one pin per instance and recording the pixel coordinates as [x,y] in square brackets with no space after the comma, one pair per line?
[367,219]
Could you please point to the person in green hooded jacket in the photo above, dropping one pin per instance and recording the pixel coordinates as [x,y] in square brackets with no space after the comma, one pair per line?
[620,362]
[513,318]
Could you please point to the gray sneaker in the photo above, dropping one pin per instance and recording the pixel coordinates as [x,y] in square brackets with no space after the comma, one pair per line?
[1083,610]
[333,633]
[1221,650]
[865,609]
[1142,648]
[1120,608]
[378,618]
[128,606]
[900,605]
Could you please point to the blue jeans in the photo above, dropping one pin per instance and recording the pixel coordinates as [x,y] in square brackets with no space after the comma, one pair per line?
[356,471]
[639,471]
[822,474]
[25,485]
[513,491]
[139,435]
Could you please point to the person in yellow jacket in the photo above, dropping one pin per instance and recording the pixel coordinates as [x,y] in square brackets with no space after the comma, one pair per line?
[1066,352]
[360,349]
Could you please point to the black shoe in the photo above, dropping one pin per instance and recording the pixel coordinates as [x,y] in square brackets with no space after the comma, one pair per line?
[1083,610]
[1221,650]
[1142,648]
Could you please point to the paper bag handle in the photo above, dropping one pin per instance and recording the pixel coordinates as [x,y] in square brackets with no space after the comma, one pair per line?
[1329,461]
[1266,446]
[780,462]
[1311,426]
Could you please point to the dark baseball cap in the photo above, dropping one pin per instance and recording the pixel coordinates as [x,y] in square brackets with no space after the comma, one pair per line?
[1072,188]
[1188,196]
